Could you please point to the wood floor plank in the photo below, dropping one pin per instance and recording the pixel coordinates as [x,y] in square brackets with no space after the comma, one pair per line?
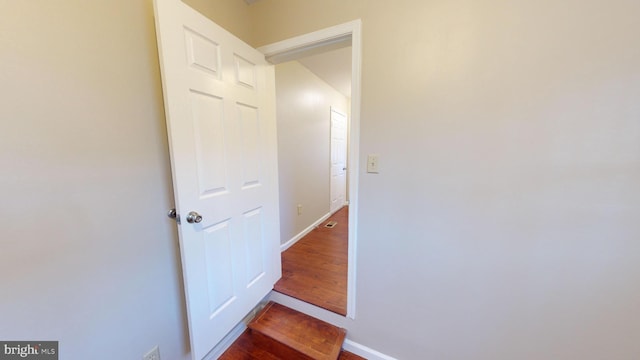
[314,269]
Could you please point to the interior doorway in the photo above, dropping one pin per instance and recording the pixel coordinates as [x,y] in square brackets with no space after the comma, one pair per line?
[345,37]
[312,158]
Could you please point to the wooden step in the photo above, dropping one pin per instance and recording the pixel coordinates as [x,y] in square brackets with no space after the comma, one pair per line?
[306,336]
[247,347]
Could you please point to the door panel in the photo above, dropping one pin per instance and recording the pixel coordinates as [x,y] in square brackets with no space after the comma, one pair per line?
[253,225]
[220,109]
[250,134]
[218,259]
[208,126]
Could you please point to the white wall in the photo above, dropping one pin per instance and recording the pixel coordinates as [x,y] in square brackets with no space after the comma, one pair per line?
[303,110]
[504,221]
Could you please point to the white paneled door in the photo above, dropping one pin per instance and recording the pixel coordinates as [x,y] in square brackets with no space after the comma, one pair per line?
[338,159]
[219,96]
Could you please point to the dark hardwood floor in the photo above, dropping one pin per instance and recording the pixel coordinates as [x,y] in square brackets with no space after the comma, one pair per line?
[314,269]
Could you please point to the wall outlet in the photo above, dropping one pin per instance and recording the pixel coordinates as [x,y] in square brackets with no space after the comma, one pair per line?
[153,354]
[299,209]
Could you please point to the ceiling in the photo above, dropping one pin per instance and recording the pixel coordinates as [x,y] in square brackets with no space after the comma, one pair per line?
[334,67]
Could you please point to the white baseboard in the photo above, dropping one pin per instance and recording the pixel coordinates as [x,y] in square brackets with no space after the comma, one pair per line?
[304,232]
[364,351]
[235,333]
[226,342]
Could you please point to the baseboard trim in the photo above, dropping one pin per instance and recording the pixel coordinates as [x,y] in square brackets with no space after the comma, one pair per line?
[235,333]
[226,342]
[304,232]
[364,351]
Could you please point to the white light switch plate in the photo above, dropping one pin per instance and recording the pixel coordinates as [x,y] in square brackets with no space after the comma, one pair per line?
[372,164]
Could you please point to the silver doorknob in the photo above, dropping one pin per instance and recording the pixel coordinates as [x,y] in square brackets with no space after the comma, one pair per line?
[194,218]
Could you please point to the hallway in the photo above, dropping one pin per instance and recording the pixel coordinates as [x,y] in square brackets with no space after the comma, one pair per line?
[314,269]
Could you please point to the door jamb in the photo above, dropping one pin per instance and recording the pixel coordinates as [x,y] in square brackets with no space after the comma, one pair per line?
[320,41]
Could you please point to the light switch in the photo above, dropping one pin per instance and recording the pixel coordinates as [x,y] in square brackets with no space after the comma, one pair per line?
[372,164]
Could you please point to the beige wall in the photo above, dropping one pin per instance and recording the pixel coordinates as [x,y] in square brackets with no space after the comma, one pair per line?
[504,221]
[303,109]
[87,254]
[232,15]
[503,224]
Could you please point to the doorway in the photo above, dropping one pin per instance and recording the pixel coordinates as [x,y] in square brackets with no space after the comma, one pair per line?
[324,41]
[312,158]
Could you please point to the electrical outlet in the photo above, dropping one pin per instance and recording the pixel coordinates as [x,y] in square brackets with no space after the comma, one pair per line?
[299,209]
[153,354]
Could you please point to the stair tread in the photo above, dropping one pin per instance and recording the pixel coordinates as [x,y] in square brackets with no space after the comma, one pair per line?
[312,337]
[248,348]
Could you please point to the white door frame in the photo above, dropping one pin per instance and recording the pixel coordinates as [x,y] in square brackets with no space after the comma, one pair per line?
[320,41]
